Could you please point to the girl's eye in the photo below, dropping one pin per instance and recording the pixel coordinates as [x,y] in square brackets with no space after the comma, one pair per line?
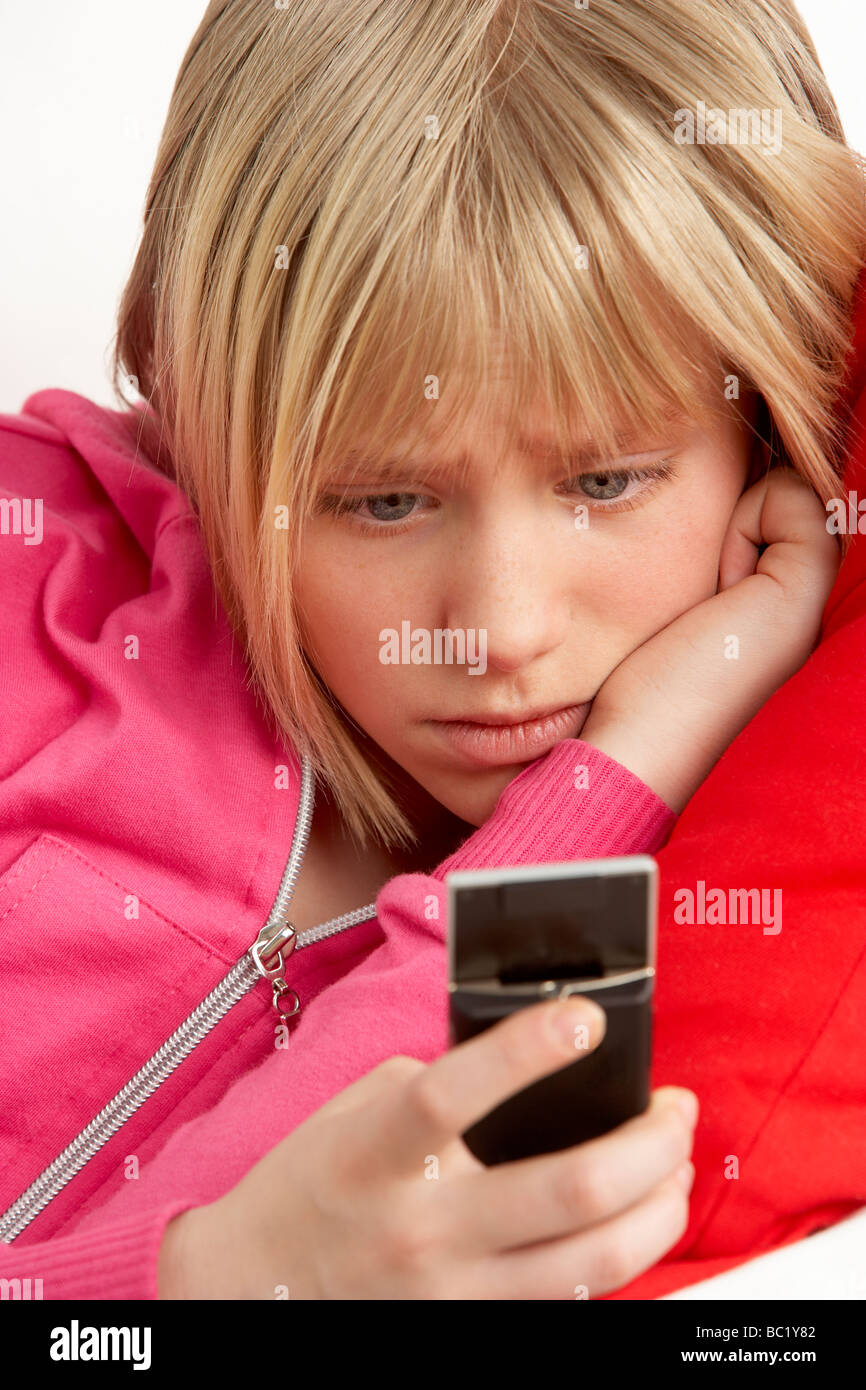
[392,508]
[389,509]
[390,513]
[610,487]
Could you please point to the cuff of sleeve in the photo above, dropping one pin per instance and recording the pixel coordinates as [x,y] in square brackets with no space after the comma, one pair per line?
[110,1262]
[574,803]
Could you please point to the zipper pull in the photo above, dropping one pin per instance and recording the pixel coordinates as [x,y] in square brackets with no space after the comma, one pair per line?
[267,956]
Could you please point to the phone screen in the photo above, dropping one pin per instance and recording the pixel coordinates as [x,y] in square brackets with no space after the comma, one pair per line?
[587,919]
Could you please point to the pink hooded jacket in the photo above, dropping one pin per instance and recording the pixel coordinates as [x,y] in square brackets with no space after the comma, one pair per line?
[146,819]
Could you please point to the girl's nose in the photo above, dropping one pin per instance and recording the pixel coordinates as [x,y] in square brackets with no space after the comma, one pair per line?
[521,618]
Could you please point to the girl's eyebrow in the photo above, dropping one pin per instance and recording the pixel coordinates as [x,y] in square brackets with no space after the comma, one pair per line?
[446,469]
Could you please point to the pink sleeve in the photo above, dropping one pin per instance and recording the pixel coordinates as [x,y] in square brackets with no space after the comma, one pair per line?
[116,1259]
[573,803]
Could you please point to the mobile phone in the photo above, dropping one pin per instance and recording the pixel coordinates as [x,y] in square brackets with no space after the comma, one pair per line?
[517,936]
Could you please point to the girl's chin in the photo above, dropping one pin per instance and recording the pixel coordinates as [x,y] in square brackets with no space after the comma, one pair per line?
[474,800]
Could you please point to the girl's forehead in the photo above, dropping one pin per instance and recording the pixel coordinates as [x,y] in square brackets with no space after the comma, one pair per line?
[539,431]
[496,405]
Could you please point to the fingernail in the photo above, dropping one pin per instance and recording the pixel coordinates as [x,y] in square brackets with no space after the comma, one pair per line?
[574,1020]
[687,1102]
[685,1175]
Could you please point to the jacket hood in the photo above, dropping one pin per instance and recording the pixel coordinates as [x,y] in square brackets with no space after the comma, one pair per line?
[172,777]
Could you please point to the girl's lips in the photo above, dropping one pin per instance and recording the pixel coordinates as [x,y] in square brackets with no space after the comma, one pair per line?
[495,745]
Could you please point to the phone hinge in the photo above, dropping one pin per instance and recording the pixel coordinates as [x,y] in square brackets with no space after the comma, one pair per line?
[554,988]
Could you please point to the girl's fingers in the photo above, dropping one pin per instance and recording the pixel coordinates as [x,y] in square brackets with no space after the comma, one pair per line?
[438,1104]
[596,1261]
[801,552]
[739,553]
[555,1195]
[784,514]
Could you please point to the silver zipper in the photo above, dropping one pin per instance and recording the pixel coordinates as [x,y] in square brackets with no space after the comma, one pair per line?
[265,959]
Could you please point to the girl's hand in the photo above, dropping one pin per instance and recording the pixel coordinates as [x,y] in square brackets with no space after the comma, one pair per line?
[670,709]
[375,1196]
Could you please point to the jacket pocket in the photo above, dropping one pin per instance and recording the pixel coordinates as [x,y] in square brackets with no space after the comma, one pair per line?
[92,980]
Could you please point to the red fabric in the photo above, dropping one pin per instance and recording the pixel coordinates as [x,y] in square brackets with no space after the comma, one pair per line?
[768,1029]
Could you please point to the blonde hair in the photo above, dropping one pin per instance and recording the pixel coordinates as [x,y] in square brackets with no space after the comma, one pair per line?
[352,198]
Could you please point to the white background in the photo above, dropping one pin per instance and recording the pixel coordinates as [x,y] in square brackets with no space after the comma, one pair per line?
[84,95]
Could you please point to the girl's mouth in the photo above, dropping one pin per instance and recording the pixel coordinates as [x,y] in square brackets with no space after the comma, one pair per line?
[494,745]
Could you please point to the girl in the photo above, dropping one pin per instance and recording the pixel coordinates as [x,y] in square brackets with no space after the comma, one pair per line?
[502,320]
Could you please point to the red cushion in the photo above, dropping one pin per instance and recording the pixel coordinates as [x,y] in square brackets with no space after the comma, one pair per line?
[769,1029]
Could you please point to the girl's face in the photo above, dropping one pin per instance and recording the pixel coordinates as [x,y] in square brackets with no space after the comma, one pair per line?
[560,569]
